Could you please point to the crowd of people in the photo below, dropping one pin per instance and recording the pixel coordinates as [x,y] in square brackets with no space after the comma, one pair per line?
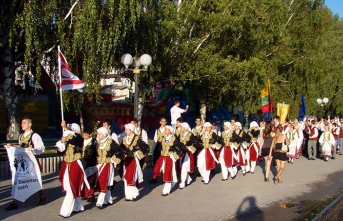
[90,162]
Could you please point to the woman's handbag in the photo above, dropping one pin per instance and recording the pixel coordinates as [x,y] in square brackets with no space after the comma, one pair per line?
[284,147]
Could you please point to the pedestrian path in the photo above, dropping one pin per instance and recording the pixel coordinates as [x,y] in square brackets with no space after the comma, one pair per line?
[219,200]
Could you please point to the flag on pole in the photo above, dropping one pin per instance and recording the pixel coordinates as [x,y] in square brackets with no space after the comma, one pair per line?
[68,80]
[302,111]
[266,100]
[283,111]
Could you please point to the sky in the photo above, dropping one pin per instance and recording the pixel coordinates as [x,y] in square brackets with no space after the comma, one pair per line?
[336,6]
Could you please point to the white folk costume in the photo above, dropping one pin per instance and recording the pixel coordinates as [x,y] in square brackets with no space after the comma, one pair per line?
[240,141]
[254,148]
[227,157]
[109,155]
[299,129]
[206,157]
[327,141]
[72,176]
[293,142]
[135,149]
[166,163]
[190,144]
[157,144]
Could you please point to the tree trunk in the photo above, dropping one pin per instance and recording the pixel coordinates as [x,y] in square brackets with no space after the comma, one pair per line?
[10,96]
[203,112]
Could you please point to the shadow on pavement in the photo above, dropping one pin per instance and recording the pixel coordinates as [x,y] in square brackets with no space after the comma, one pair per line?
[248,210]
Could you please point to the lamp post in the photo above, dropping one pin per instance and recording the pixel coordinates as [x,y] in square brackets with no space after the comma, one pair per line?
[144,60]
[322,102]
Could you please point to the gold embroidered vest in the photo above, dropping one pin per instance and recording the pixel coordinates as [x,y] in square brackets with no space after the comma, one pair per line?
[226,137]
[25,140]
[197,131]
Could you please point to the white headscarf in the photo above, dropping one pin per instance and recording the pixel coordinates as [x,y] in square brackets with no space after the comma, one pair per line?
[253,124]
[238,124]
[74,127]
[207,124]
[228,124]
[170,128]
[131,127]
[103,130]
[186,126]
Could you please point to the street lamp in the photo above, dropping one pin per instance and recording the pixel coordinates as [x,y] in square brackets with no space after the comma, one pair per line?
[322,102]
[144,60]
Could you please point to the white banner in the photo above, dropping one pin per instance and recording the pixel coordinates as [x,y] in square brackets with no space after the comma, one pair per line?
[26,177]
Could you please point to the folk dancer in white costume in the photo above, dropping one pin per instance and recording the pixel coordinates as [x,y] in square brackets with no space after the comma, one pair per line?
[254,149]
[240,141]
[293,139]
[166,163]
[72,175]
[299,128]
[135,149]
[327,142]
[157,144]
[228,158]
[109,156]
[190,144]
[206,158]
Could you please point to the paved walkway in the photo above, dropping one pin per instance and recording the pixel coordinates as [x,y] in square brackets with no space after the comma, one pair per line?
[229,200]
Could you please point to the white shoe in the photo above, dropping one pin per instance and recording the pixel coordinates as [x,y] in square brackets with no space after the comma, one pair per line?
[189,181]
[182,185]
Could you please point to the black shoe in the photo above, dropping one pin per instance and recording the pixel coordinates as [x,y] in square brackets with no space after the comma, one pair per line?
[234,177]
[244,174]
[198,175]
[80,211]
[64,217]
[224,179]
[42,201]
[309,158]
[266,179]
[164,194]
[153,181]
[91,199]
[313,158]
[12,206]
[252,172]
[332,158]
[99,207]
[202,180]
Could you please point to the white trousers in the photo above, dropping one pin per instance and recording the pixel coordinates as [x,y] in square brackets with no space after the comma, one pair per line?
[104,198]
[69,202]
[251,166]
[185,171]
[205,174]
[226,170]
[247,157]
[131,192]
[167,187]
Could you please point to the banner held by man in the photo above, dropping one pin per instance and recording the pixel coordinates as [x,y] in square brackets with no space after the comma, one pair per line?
[26,178]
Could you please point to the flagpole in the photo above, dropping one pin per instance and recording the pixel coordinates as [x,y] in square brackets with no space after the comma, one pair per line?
[270,103]
[60,76]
